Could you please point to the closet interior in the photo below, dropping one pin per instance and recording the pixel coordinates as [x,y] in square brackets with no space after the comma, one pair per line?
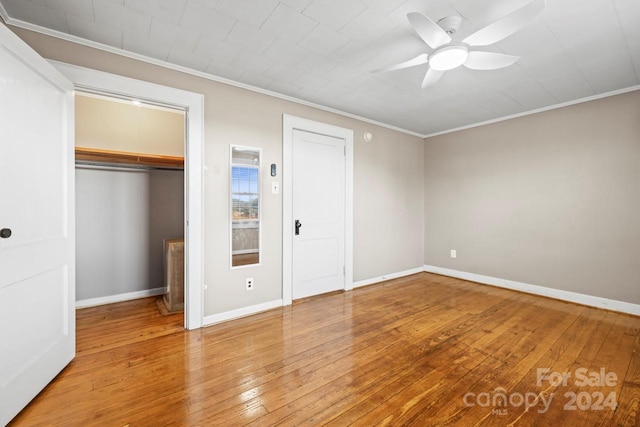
[130,200]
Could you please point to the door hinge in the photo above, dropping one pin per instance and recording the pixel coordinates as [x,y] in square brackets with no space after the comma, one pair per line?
[344,270]
[345,150]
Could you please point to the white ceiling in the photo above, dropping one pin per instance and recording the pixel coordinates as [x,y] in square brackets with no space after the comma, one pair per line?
[322,51]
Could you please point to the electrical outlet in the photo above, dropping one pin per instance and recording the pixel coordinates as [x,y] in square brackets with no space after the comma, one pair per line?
[249,284]
[453,253]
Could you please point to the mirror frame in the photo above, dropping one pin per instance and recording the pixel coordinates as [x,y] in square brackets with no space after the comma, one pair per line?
[231,164]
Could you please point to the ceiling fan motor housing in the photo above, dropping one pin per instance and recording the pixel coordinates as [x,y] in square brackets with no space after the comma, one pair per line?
[450,24]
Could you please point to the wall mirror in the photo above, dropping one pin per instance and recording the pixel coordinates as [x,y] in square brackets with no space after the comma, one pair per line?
[245,206]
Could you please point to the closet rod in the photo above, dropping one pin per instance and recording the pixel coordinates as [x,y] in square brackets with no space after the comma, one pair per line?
[122,168]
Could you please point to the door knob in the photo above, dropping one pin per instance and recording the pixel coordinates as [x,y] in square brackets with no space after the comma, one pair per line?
[298,224]
[5,233]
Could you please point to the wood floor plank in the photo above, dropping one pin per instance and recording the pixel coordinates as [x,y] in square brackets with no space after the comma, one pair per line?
[627,412]
[430,349]
[402,352]
[593,359]
[509,358]
[559,358]
[499,342]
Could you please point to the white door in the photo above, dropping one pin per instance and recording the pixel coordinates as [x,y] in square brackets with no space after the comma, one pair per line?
[319,208]
[37,271]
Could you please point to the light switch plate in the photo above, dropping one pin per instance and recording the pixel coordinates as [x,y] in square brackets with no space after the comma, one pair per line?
[275,187]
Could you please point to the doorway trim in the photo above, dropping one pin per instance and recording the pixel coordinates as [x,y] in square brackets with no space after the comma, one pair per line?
[193,103]
[289,124]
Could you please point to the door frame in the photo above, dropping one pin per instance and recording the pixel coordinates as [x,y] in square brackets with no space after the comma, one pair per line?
[289,124]
[193,103]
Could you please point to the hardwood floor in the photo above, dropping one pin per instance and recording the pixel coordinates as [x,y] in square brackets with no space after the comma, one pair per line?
[245,259]
[422,350]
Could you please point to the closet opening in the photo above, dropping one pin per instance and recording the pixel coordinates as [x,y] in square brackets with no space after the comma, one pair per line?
[130,201]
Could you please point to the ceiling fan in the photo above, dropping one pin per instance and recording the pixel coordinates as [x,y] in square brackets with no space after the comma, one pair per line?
[449,54]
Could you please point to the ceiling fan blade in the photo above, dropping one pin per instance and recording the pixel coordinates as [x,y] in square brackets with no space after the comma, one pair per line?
[431,78]
[506,26]
[429,31]
[418,60]
[488,60]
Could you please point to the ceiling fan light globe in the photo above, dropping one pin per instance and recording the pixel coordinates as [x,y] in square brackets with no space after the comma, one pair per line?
[448,57]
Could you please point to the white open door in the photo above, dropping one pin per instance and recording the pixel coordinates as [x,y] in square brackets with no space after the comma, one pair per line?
[37,271]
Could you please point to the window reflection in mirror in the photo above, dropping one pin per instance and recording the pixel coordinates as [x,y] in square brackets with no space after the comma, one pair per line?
[245,206]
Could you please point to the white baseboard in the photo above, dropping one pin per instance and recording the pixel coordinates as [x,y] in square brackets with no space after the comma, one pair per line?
[110,299]
[590,300]
[241,312]
[373,280]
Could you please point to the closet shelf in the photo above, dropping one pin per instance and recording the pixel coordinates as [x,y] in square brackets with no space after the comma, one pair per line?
[109,157]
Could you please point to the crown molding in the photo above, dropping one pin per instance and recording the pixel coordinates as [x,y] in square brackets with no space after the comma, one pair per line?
[537,110]
[121,52]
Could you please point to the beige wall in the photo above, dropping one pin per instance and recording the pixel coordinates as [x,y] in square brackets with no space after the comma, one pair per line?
[550,199]
[388,191]
[122,126]
[122,219]
[388,188]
